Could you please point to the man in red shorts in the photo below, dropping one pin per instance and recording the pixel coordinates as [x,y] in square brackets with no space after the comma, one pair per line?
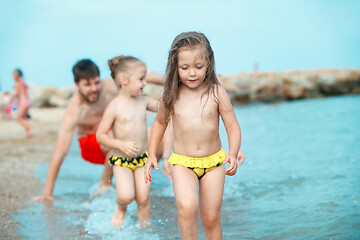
[82,117]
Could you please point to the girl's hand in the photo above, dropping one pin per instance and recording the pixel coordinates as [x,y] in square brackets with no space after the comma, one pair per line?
[167,168]
[151,161]
[129,148]
[233,165]
[240,158]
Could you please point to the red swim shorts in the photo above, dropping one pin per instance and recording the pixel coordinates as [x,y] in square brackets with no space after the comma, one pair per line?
[91,150]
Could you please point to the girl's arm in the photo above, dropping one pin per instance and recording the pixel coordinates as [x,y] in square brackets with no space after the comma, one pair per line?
[232,128]
[168,142]
[16,92]
[157,131]
[240,157]
[129,148]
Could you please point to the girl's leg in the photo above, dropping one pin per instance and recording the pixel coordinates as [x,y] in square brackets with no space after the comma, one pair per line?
[124,183]
[185,184]
[142,196]
[22,119]
[211,195]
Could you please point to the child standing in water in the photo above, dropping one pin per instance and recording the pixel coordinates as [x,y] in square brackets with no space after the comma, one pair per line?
[21,93]
[193,100]
[126,116]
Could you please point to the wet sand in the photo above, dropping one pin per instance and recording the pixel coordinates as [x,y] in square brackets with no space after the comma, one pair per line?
[19,157]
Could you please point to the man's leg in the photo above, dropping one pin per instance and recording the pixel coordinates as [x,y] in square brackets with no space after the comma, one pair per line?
[105,180]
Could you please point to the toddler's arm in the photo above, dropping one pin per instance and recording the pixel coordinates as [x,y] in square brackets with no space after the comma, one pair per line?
[129,148]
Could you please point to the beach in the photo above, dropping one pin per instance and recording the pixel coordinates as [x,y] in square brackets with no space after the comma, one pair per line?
[19,157]
[301,172]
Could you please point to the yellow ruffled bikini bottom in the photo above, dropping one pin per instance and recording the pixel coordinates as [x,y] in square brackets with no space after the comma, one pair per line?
[132,163]
[201,165]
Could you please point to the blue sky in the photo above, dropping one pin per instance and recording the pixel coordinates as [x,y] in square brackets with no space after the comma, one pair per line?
[46,37]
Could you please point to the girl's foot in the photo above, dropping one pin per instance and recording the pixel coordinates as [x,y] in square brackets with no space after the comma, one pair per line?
[29,132]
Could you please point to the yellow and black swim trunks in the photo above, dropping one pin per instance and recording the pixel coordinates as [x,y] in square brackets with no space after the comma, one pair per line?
[201,165]
[132,163]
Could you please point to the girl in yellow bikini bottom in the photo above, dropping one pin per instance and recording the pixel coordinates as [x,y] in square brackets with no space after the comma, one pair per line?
[201,165]
[132,163]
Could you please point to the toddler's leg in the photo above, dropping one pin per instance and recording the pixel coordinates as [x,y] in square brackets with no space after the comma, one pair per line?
[211,194]
[124,183]
[105,180]
[185,184]
[142,196]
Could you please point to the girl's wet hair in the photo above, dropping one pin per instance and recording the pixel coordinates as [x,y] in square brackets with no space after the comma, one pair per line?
[121,64]
[172,81]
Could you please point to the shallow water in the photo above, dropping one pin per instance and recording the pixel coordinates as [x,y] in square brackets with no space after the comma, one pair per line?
[300,180]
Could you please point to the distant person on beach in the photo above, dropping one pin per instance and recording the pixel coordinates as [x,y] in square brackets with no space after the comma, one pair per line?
[193,101]
[256,68]
[4,106]
[82,117]
[126,116]
[23,103]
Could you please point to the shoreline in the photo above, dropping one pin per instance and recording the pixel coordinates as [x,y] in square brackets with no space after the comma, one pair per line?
[19,158]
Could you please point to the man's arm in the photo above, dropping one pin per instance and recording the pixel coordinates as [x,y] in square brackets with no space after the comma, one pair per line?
[65,136]
[151,104]
[155,78]
[110,86]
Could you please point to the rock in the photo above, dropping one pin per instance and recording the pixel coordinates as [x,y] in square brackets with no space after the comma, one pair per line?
[48,96]
[243,88]
[273,87]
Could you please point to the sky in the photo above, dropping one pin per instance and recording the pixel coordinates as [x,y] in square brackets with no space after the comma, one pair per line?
[45,38]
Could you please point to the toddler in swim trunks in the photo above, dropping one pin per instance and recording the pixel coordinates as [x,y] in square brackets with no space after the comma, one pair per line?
[126,116]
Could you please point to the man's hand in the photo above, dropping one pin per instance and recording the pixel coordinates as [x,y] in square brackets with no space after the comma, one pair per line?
[42,198]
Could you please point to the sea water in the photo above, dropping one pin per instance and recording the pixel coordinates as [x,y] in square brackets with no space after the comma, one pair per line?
[300,180]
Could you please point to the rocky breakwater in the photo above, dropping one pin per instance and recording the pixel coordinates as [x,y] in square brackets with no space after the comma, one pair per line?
[49,96]
[243,87]
[292,85]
